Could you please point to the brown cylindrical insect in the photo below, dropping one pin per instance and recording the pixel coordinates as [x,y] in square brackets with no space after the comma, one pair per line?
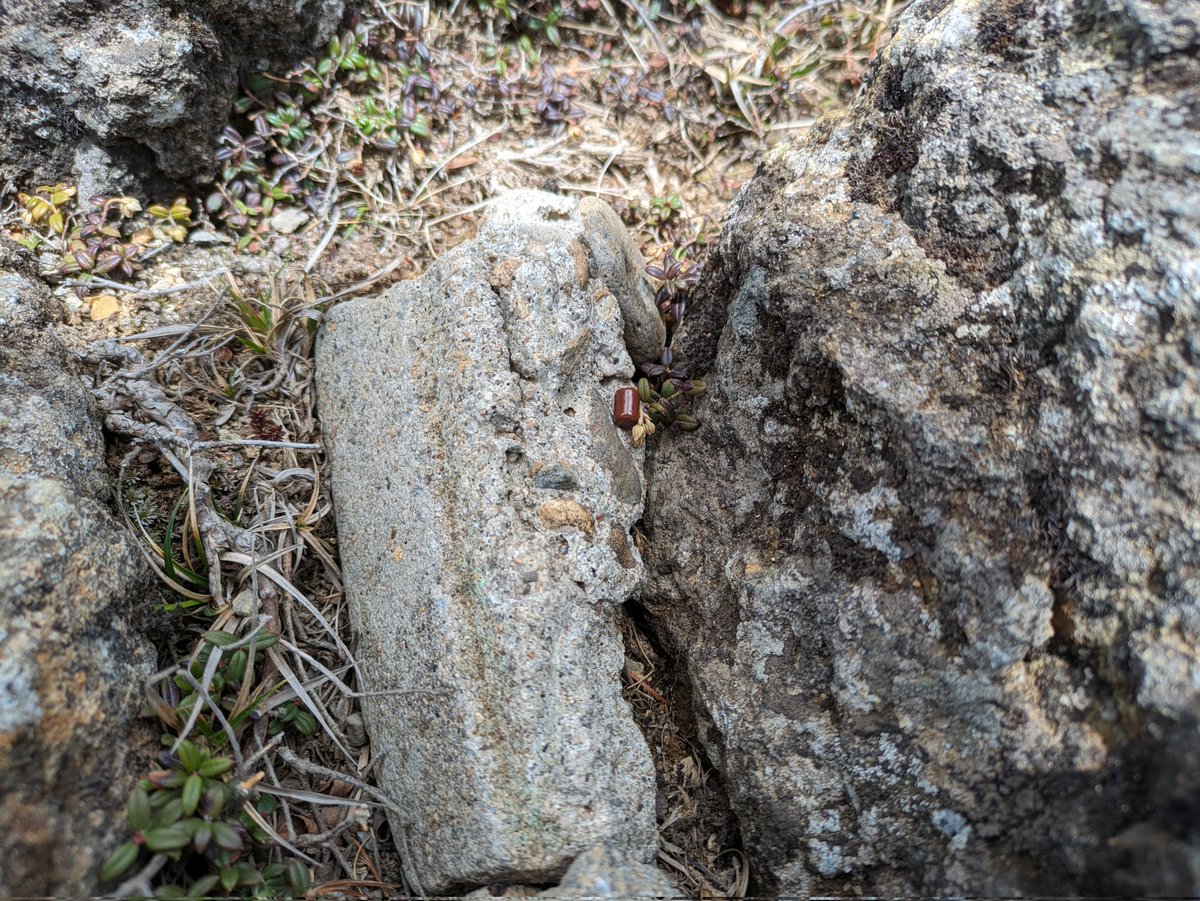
[627,408]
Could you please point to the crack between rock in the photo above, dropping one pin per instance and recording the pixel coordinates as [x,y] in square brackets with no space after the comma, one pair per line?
[699,834]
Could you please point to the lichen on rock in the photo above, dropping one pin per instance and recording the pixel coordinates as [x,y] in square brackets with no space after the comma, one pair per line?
[931,558]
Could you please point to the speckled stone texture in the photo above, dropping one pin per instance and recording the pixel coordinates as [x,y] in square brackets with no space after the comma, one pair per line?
[599,872]
[603,873]
[111,95]
[485,591]
[931,560]
[72,663]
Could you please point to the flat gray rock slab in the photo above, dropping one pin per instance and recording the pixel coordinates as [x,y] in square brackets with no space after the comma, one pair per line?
[484,502]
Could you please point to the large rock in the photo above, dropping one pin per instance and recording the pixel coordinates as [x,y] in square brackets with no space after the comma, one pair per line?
[932,557]
[104,93]
[71,662]
[484,503]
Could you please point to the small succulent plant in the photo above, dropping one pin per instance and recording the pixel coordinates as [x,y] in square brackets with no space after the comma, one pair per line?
[106,238]
[659,397]
[192,813]
[555,106]
[46,206]
[173,220]
[675,282]
[663,391]
[663,209]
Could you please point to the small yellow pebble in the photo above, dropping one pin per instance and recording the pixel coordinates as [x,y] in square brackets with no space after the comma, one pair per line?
[103,306]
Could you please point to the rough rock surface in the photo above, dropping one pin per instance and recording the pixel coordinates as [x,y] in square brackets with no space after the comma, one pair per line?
[599,872]
[604,873]
[932,558]
[71,664]
[484,503]
[102,93]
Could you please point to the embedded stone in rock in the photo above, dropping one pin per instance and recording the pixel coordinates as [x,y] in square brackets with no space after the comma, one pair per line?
[612,251]
[483,591]
[597,873]
[932,556]
[72,663]
[602,872]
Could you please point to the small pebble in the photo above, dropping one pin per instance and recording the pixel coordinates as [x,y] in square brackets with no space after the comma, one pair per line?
[354,730]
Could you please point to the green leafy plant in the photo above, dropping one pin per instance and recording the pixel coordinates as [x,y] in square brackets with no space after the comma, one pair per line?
[505,10]
[290,124]
[195,809]
[548,25]
[665,386]
[663,209]
[194,815]
[173,220]
[46,207]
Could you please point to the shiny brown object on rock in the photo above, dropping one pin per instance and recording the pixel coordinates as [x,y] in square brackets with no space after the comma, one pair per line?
[627,408]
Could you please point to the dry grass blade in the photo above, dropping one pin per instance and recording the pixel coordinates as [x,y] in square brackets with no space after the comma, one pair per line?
[312,797]
[358,888]
[314,706]
[249,810]
[327,674]
[298,596]
[307,766]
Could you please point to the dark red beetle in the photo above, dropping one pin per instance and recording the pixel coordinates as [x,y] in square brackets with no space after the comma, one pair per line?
[627,408]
